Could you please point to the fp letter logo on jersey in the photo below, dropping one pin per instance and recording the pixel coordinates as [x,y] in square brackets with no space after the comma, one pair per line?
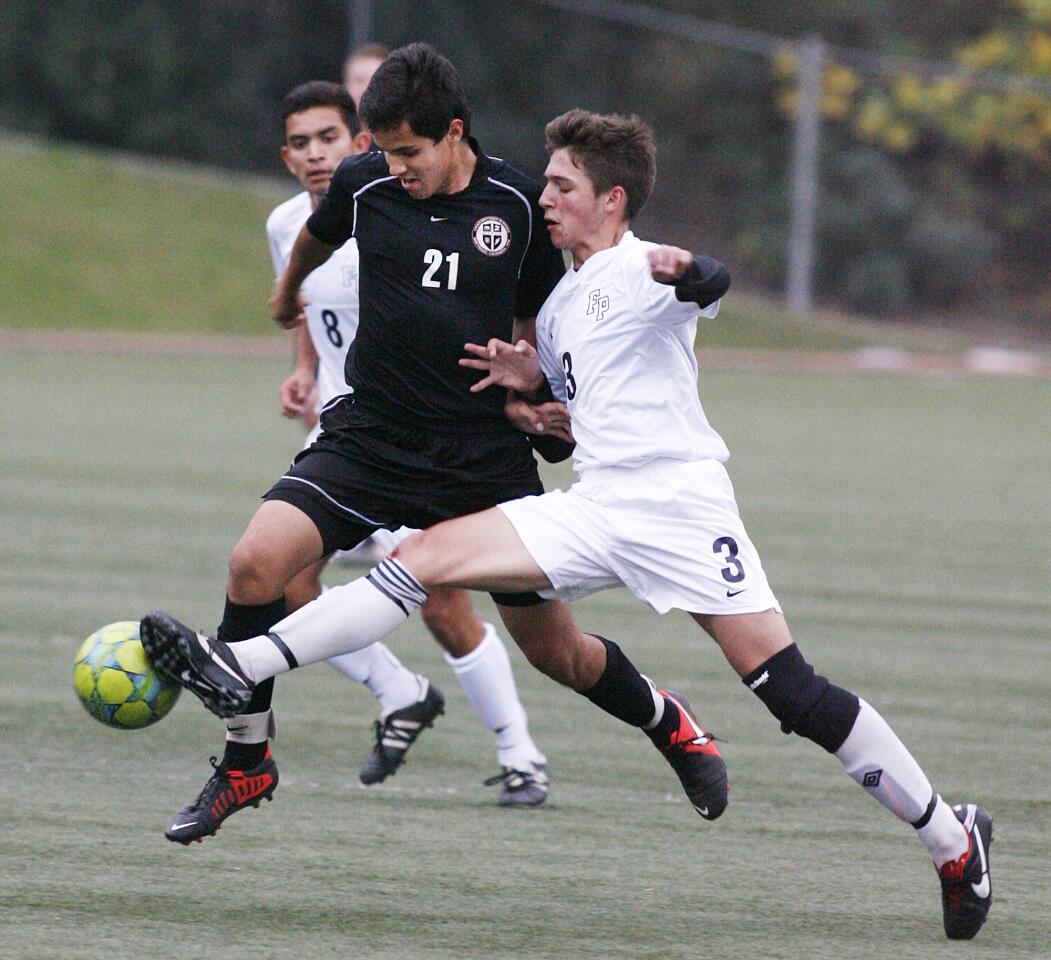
[491,236]
[597,304]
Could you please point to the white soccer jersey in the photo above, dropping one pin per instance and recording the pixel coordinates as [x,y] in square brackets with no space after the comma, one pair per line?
[331,292]
[617,348]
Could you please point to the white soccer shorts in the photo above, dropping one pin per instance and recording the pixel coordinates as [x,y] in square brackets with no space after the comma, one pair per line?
[669,531]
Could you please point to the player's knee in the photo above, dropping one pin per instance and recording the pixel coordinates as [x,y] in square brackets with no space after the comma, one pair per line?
[805,702]
[252,576]
[421,557]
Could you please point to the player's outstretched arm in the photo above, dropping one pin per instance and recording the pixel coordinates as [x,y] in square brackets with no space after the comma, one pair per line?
[540,420]
[697,279]
[515,366]
[530,405]
[286,303]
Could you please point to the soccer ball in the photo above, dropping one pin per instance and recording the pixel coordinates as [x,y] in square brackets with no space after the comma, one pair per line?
[115,681]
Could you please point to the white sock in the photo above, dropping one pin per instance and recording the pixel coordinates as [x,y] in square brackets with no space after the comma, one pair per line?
[251,727]
[944,835]
[388,679]
[486,677]
[341,620]
[874,756]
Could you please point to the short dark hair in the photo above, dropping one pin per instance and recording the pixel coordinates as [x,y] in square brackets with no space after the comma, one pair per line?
[418,86]
[321,93]
[611,149]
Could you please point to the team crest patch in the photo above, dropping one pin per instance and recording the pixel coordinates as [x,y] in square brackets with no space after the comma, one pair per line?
[491,236]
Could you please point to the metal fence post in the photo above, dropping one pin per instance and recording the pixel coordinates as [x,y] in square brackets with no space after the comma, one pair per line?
[807,138]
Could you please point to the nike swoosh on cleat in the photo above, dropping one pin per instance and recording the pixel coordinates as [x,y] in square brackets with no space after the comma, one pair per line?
[183,826]
[703,811]
[981,890]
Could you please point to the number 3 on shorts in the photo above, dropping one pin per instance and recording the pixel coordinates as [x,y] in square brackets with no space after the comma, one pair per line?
[727,548]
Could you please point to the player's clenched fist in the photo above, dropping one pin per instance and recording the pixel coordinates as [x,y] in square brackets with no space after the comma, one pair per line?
[668,264]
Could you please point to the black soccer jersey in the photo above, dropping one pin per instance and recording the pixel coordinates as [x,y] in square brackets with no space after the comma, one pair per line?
[436,274]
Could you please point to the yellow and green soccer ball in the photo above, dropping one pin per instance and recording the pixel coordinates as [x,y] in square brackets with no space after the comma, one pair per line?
[115,681]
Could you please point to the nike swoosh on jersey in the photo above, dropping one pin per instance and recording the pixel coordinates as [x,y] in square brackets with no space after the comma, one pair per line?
[438,219]
[733,593]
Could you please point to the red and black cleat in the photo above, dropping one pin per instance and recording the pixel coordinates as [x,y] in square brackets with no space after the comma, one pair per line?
[696,759]
[226,792]
[967,891]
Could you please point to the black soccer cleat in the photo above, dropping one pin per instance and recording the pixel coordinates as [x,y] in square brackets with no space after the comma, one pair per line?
[696,759]
[204,666]
[398,731]
[967,889]
[226,792]
[524,786]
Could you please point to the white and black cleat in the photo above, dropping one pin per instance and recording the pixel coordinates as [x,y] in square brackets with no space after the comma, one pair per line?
[398,731]
[525,786]
[204,666]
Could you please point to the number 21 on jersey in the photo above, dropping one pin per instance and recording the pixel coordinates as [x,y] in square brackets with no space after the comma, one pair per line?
[434,259]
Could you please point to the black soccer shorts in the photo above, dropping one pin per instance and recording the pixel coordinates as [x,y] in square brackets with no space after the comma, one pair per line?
[364,473]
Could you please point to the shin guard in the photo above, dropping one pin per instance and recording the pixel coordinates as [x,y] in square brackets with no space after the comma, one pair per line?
[805,702]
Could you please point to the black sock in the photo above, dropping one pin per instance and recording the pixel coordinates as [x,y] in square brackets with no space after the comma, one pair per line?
[241,622]
[667,726]
[622,691]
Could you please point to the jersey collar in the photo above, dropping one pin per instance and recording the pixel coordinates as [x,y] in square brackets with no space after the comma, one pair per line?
[481,167]
[598,259]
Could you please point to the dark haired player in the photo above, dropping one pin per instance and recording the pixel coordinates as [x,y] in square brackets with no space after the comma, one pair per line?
[653,508]
[452,250]
[321,128]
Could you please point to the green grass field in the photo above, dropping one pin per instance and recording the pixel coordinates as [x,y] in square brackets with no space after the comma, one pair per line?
[905,523]
[94,240]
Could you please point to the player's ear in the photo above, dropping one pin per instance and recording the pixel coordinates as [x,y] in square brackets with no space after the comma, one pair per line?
[616,200]
[455,131]
[286,156]
[362,141]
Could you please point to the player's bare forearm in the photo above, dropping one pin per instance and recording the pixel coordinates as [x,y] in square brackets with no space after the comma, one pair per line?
[286,304]
[514,366]
[297,393]
[306,355]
